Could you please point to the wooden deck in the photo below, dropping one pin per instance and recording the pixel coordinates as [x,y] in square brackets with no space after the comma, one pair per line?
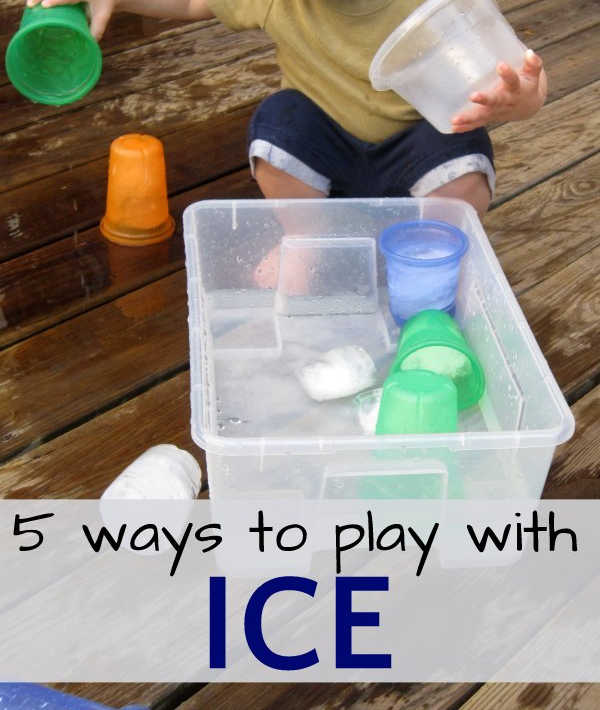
[93,337]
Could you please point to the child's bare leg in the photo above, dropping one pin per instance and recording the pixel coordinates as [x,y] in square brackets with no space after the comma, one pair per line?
[276,184]
[471,187]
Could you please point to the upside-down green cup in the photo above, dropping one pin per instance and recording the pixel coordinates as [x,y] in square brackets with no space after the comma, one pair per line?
[53,58]
[431,340]
[417,402]
[414,402]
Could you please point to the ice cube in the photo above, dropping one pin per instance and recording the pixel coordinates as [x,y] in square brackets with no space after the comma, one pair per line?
[340,372]
[367,405]
[163,472]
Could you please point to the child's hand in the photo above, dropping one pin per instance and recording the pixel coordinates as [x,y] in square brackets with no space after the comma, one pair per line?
[517,96]
[100,10]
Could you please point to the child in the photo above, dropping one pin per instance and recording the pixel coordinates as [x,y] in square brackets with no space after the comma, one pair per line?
[328,132]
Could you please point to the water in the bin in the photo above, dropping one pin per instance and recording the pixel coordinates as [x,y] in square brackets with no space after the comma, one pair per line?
[265,396]
[258,393]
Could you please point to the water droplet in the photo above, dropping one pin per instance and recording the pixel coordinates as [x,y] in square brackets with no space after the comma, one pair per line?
[234,420]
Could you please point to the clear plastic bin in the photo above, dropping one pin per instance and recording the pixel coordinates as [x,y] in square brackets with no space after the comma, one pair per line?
[263,436]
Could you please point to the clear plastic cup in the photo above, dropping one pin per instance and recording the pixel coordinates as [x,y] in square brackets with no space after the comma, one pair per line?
[423,264]
[442,53]
[53,59]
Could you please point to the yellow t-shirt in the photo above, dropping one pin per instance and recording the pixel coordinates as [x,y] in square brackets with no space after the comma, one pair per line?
[325,48]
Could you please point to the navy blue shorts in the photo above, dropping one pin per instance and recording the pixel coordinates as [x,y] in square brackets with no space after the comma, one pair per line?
[292,133]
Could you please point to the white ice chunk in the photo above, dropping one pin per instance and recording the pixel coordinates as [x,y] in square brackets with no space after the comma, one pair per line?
[339,373]
[367,404]
[163,472]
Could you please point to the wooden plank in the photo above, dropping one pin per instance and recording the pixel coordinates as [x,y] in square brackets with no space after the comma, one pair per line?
[328,696]
[507,5]
[116,695]
[68,373]
[136,70]
[127,32]
[63,142]
[563,312]
[563,132]
[80,272]
[536,24]
[81,463]
[79,195]
[575,472]
[535,696]
[571,63]
[543,230]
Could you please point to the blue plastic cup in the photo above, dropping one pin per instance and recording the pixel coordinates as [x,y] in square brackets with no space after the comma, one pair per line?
[423,263]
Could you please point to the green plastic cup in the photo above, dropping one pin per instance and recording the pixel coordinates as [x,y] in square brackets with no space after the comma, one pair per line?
[431,340]
[417,402]
[53,59]
[413,402]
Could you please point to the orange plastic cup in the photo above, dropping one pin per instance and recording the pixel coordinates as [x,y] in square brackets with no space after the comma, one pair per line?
[137,208]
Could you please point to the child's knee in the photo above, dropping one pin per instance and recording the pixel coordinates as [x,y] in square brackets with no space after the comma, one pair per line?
[275,183]
[471,187]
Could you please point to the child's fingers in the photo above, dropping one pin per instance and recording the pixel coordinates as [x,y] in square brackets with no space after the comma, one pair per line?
[32,3]
[471,118]
[99,23]
[509,76]
[466,127]
[479,98]
[532,65]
